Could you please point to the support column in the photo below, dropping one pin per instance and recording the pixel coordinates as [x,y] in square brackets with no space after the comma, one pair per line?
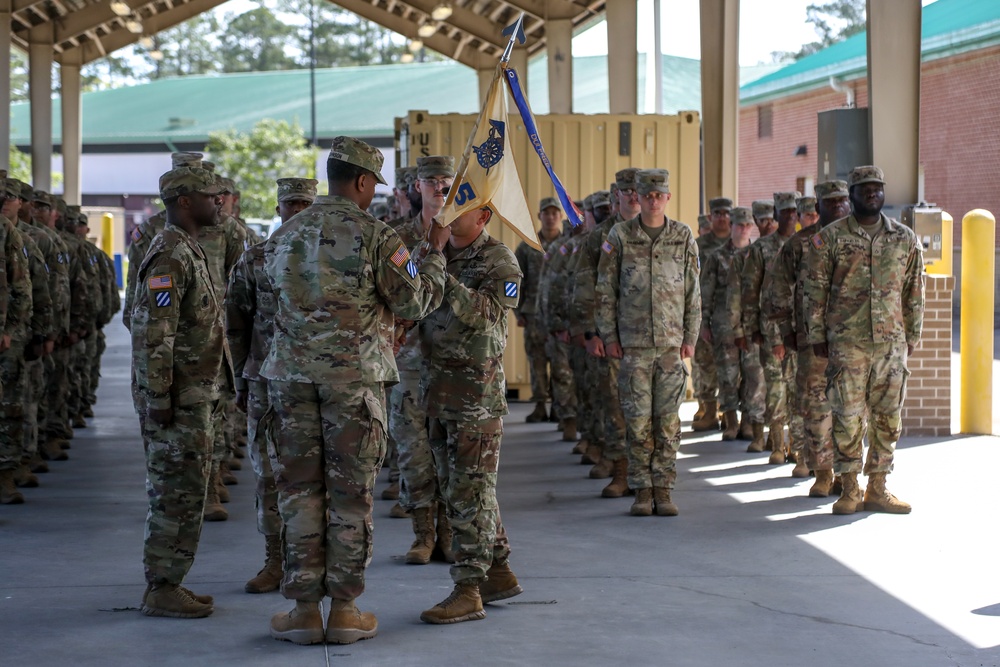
[72,130]
[623,58]
[720,96]
[40,93]
[4,80]
[894,96]
[519,59]
[559,44]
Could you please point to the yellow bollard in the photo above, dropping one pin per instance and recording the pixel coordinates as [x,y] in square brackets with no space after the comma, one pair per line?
[107,234]
[943,266]
[978,245]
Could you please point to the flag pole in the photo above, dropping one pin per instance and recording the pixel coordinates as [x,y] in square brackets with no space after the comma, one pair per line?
[505,58]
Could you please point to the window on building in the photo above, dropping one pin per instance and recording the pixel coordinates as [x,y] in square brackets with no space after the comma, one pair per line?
[765,115]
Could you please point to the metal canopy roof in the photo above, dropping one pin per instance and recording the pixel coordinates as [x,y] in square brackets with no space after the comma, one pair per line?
[84,30]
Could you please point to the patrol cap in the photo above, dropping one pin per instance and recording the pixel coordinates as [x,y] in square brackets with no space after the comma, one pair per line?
[11,186]
[73,208]
[226,185]
[627,179]
[741,215]
[186,160]
[704,221]
[435,165]
[600,198]
[720,204]
[763,208]
[831,189]
[26,190]
[785,200]
[210,166]
[652,180]
[42,197]
[81,219]
[404,175]
[805,205]
[613,188]
[356,152]
[588,203]
[866,174]
[297,189]
[60,204]
[549,202]
[185,180]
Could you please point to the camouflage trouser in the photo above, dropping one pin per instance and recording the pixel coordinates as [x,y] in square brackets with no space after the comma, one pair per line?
[418,470]
[57,395]
[796,425]
[75,389]
[703,373]
[585,409]
[815,409]
[614,421]
[652,383]
[392,458]
[471,452]
[329,443]
[866,377]
[727,369]
[563,387]
[538,361]
[754,395]
[777,388]
[83,367]
[12,377]
[94,372]
[258,422]
[34,389]
[598,409]
[223,434]
[178,459]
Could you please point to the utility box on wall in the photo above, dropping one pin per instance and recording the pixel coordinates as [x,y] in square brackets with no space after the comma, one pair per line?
[843,143]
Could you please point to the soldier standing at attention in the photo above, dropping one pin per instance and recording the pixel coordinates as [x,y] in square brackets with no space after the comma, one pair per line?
[339,277]
[703,371]
[530,261]
[864,306]
[179,356]
[466,403]
[649,311]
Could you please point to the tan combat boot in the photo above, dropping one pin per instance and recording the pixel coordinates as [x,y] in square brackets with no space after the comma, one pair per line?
[569,430]
[9,495]
[223,492]
[581,447]
[214,511]
[619,480]
[539,415]
[850,500]
[464,604]
[823,486]
[397,511]
[226,475]
[602,469]
[709,421]
[302,625]
[52,451]
[700,412]
[79,421]
[234,462]
[664,506]
[757,443]
[838,485]
[643,505]
[779,455]
[37,464]
[746,427]
[732,425]
[500,584]
[801,470]
[443,550]
[878,499]
[204,599]
[24,478]
[346,624]
[173,601]
[423,545]
[391,492]
[592,456]
[776,437]
[269,578]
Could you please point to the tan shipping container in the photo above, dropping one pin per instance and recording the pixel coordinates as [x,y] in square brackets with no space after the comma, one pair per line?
[585,152]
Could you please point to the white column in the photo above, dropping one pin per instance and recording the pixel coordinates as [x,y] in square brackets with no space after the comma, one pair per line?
[4,80]
[40,93]
[720,96]
[623,58]
[72,131]
[559,45]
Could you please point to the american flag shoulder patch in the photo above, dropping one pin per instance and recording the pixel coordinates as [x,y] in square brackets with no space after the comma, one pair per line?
[400,257]
[510,289]
[563,250]
[162,299]
[136,234]
[607,247]
[817,241]
[161,282]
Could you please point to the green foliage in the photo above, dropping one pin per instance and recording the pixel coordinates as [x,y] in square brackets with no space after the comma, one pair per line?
[255,41]
[187,48]
[834,22]
[19,165]
[273,149]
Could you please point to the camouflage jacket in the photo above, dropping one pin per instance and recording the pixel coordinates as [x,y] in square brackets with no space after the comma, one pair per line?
[760,259]
[709,243]
[223,244]
[781,290]
[140,240]
[411,233]
[179,351]
[249,315]
[40,326]
[734,297]
[18,282]
[112,301]
[468,333]
[96,289]
[4,286]
[553,264]
[57,265]
[530,261]
[339,276]
[647,292]
[715,270]
[79,288]
[856,288]
[583,307]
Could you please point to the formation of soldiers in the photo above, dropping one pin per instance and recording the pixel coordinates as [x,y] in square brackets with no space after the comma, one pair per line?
[57,292]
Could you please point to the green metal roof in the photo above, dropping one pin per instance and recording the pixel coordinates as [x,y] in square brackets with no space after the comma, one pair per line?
[947,27]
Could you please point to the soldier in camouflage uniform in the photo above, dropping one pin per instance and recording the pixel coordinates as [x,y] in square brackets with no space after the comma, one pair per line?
[249,330]
[466,401]
[530,260]
[704,375]
[403,208]
[863,293]
[339,277]
[90,302]
[649,310]
[704,225]
[179,355]
[583,320]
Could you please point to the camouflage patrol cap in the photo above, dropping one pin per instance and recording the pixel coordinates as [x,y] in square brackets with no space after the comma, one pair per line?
[209,166]
[60,204]
[763,208]
[785,200]
[226,185]
[704,221]
[26,190]
[805,205]
[42,197]
[404,176]
[627,179]
[588,203]
[81,219]
[186,180]
[652,180]
[831,189]
[866,174]
[185,160]
[741,215]
[720,204]
[435,165]
[613,188]
[12,186]
[297,189]
[356,152]
[548,202]
[600,198]
[73,208]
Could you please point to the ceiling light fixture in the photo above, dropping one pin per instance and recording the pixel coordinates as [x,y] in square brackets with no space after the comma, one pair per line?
[156,55]
[133,25]
[146,42]
[415,45]
[427,30]
[120,8]
[442,12]
[406,58]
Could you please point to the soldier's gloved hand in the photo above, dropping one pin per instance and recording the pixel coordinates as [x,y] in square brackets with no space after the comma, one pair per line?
[241,399]
[821,350]
[687,351]
[741,342]
[162,417]
[779,352]
[595,347]
[791,342]
[706,335]
[438,236]
[614,351]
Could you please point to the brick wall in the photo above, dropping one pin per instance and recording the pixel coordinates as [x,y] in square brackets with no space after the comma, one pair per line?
[927,408]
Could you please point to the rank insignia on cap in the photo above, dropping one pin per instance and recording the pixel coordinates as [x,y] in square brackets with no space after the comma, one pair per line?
[163,299]
[607,247]
[510,289]
[411,268]
[400,257]
[136,234]
[563,250]
[817,241]
[161,282]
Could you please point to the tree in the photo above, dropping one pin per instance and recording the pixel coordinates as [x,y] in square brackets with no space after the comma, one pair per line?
[188,48]
[834,22]
[273,149]
[19,165]
[18,76]
[343,39]
[255,41]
